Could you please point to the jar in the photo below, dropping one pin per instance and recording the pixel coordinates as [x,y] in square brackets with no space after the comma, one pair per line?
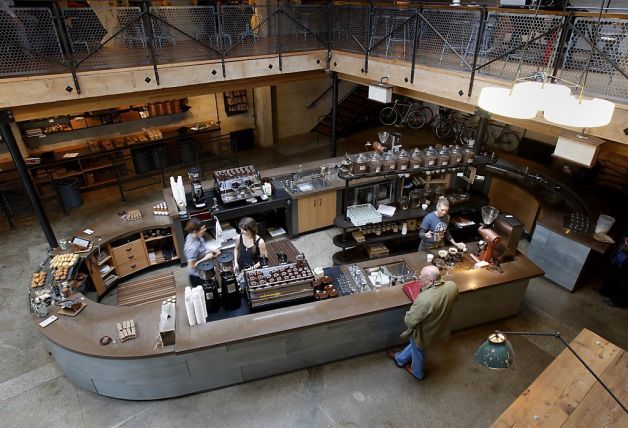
[468,156]
[443,157]
[404,203]
[429,156]
[416,160]
[415,198]
[346,166]
[389,162]
[360,166]
[403,159]
[375,164]
[455,155]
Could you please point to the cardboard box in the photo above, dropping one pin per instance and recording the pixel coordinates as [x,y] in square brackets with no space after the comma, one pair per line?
[78,122]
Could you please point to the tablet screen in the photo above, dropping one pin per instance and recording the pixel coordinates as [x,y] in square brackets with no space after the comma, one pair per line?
[80,242]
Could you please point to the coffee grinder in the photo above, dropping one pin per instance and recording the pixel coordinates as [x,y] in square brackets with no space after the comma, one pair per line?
[230,289]
[198,195]
[207,273]
[489,236]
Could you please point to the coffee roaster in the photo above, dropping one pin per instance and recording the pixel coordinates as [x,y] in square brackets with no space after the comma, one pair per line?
[279,284]
[501,234]
[238,184]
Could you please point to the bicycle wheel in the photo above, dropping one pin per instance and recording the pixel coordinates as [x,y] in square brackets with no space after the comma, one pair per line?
[442,129]
[388,116]
[428,113]
[467,136]
[415,119]
[509,141]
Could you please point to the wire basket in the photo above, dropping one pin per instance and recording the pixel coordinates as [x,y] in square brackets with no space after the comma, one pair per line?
[363,214]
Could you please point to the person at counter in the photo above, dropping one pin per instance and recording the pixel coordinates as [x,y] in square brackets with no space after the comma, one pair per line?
[428,320]
[195,250]
[249,245]
[435,228]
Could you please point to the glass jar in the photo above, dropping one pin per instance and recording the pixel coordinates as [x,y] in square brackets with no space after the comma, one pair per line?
[443,157]
[455,155]
[416,196]
[375,163]
[346,166]
[389,162]
[468,156]
[429,156]
[404,203]
[416,160]
[403,160]
[360,166]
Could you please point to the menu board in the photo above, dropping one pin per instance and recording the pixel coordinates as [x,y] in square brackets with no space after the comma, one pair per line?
[236,102]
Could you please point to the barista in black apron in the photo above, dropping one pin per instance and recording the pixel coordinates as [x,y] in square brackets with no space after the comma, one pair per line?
[249,246]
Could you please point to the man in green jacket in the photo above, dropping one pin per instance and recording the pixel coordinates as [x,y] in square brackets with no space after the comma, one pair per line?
[428,320]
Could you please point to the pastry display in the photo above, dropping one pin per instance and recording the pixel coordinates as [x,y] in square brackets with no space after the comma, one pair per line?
[38,279]
[64,260]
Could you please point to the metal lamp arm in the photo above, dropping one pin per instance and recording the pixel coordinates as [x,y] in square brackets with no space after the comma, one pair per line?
[559,337]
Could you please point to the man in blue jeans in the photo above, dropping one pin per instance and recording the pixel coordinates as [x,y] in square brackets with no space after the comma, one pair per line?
[428,320]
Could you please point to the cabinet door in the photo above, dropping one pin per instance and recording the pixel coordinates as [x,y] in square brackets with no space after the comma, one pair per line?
[326,209]
[308,213]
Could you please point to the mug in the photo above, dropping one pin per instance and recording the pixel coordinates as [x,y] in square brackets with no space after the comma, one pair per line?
[300,259]
[430,257]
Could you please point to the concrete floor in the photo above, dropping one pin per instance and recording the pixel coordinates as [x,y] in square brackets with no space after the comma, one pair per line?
[367,391]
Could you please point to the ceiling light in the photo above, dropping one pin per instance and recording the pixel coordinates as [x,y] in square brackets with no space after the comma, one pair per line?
[543,94]
[506,102]
[381,92]
[581,113]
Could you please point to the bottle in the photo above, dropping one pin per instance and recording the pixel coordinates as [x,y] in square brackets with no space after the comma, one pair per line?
[404,228]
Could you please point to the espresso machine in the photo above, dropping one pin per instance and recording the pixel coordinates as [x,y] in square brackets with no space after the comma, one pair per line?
[230,289]
[207,273]
[198,195]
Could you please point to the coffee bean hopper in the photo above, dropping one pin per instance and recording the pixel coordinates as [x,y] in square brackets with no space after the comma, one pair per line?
[230,289]
[207,273]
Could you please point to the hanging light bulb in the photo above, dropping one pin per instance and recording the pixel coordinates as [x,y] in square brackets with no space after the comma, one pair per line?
[581,113]
[543,94]
[507,102]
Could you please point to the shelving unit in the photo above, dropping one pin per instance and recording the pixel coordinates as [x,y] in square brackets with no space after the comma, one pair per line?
[236,102]
[354,251]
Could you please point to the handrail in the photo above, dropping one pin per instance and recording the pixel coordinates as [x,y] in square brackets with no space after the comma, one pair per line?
[310,105]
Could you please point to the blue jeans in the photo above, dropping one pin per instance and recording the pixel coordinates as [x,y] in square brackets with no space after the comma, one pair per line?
[411,354]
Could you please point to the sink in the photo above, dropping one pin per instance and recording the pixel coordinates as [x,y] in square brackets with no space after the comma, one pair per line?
[390,274]
[308,186]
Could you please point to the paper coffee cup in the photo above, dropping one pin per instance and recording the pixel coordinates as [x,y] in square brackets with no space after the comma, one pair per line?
[430,257]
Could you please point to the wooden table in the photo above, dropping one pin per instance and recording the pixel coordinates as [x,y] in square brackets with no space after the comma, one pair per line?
[566,394]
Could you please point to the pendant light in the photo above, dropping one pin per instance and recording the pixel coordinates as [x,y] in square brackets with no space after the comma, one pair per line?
[581,113]
[544,95]
[507,102]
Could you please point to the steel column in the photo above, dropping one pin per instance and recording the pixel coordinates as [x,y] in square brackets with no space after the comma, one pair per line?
[478,44]
[482,129]
[148,25]
[6,117]
[334,111]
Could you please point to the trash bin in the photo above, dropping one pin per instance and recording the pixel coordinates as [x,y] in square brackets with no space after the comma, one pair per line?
[160,157]
[188,151]
[69,192]
[143,161]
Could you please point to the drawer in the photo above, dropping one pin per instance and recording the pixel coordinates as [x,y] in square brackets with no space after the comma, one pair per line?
[128,252]
[132,266]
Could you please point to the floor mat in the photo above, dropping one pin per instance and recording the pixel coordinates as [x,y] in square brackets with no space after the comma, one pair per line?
[147,290]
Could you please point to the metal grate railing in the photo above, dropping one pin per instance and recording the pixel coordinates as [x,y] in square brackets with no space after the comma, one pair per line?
[108,38]
[29,43]
[609,57]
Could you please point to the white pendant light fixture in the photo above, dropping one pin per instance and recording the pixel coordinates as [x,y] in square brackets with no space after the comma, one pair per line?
[582,113]
[543,95]
[507,102]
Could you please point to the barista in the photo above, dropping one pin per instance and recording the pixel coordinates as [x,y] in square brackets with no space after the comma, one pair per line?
[249,245]
[435,228]
[195,250]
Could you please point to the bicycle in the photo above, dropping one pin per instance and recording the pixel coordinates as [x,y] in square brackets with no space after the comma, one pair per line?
[448,125]
[409,114]
[507,140]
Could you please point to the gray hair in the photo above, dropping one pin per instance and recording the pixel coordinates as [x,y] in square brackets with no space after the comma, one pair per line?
[430,273]
[442,202]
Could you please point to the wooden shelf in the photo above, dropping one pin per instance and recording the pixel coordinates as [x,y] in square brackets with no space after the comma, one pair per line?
[400,215]
[348,241]
[103,275]
[157,238]
[95,168]
[101,262]
[359,254]
[167,261]
[111,280]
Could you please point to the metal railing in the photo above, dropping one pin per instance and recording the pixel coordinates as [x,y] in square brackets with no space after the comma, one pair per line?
[470,40]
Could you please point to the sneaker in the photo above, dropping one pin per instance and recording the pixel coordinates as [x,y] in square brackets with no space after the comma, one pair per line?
[391,354]
[408,368]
